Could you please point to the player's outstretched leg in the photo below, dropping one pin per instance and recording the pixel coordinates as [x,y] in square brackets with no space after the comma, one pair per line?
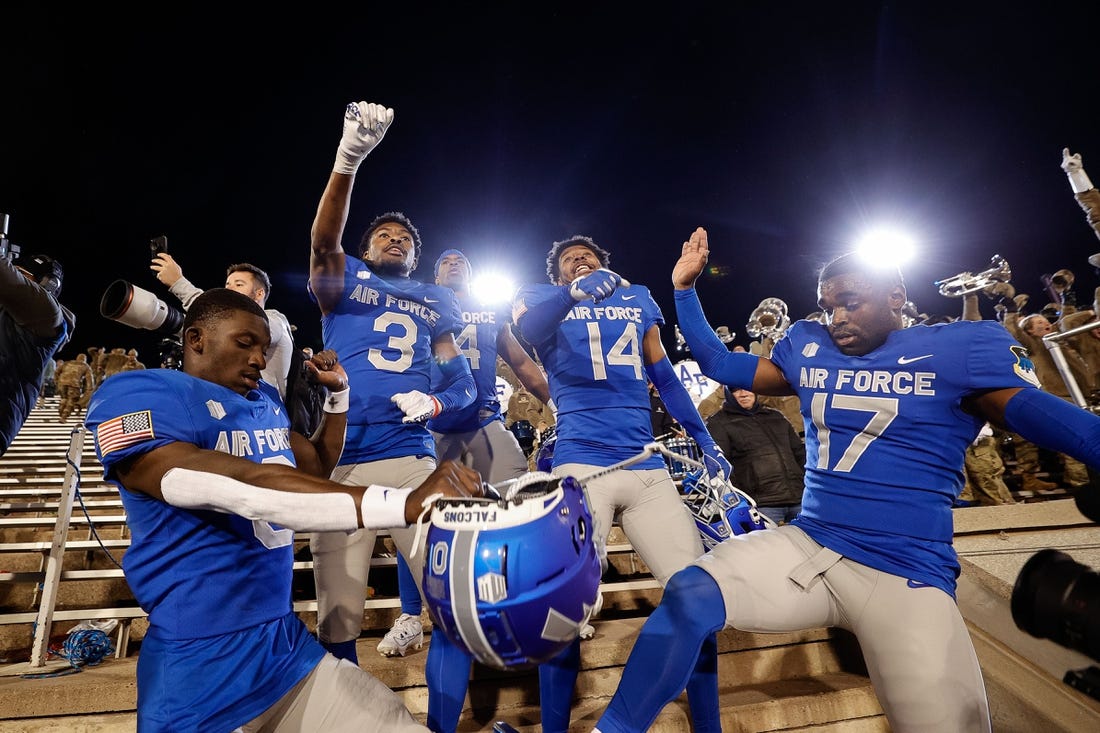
[665,655]
[702,689]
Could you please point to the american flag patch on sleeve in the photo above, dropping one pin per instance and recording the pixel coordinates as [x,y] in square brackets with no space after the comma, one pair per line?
[124,431]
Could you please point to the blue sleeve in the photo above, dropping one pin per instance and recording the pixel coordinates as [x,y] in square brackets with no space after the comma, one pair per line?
[733,369]
[1055,424]
[537,319]
[677,400]
[457,389]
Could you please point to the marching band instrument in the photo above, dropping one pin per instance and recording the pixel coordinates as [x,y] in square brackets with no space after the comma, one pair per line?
[770,319]
[965,282]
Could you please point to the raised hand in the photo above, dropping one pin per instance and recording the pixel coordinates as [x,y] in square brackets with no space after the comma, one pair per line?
[365,123]
[596,286]
[167,269]
[1070,163]
[693,258]
[417,406]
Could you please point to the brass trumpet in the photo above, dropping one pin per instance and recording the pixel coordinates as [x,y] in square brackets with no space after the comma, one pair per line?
[965,282]
[770,319]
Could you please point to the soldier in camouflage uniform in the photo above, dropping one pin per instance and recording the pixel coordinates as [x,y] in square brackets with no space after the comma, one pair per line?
[73,378]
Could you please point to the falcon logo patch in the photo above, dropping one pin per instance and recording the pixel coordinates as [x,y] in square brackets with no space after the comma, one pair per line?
[1024,367]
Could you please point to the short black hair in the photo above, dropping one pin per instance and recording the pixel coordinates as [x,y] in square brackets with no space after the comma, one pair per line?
[553,271]
[390,217]
[217,303]
[260,275]
[855,263]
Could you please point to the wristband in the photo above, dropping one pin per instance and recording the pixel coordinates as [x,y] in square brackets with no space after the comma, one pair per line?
[384,507]
[337,402]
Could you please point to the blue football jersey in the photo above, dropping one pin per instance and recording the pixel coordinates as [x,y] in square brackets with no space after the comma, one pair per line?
[481,325]
[214,585]
[887,434]
[383,330]
[594,365]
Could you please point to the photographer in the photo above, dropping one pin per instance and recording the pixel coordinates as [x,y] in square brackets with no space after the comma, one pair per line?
[33,325]
[285,364]
[248,280]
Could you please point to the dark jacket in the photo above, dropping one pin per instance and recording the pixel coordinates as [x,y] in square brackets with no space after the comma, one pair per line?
[33,325]
[767,455]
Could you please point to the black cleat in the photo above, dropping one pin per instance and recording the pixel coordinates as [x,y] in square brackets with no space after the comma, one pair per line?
[501,727]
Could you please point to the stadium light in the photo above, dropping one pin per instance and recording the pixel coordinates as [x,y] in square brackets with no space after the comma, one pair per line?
[886,247]
[493,287]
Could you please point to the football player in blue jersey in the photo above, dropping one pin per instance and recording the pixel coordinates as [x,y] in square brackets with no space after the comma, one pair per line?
[204,459]
[474,436]
[599,340]
[391,332]
[889,413]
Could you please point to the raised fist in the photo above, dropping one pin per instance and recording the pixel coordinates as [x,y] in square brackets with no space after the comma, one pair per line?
[365,123]
[596,286]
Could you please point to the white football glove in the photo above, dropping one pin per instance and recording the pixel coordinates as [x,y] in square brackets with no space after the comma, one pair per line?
[417,406]
[364,125]
[1075,171]
[596,286]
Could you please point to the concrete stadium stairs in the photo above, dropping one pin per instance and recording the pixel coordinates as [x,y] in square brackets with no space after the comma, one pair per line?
[809,681]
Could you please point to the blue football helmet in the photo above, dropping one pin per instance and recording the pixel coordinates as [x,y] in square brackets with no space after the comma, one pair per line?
[719,514]
[511,581]
[544,461]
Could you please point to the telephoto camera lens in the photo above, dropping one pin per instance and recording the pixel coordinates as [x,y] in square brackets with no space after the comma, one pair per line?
[1057,598]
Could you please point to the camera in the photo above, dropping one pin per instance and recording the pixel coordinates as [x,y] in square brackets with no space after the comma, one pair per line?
[170,351]
[138,308]
[1058,598]
[8,251]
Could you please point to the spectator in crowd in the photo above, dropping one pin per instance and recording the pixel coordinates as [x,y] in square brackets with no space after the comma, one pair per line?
[599,340]
[391,332]
[767,455]
[664,425]
[211,559]
[1086,194]
[872,550]
[1087,344]
[113,361]
[33,326]
[247,279]
[984,472]
[74,379]
[95,361]
[132,363]
[1029,331]
[529,419]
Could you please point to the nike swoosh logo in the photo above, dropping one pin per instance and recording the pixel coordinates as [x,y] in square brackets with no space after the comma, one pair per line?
[907,360]
[917,584]
[629,297]
[430,300]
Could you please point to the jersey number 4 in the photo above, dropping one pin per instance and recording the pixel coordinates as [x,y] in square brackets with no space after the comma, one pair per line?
[624,352]
[883,411]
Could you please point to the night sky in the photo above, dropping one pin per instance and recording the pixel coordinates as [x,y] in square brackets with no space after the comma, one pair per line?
[785,129]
